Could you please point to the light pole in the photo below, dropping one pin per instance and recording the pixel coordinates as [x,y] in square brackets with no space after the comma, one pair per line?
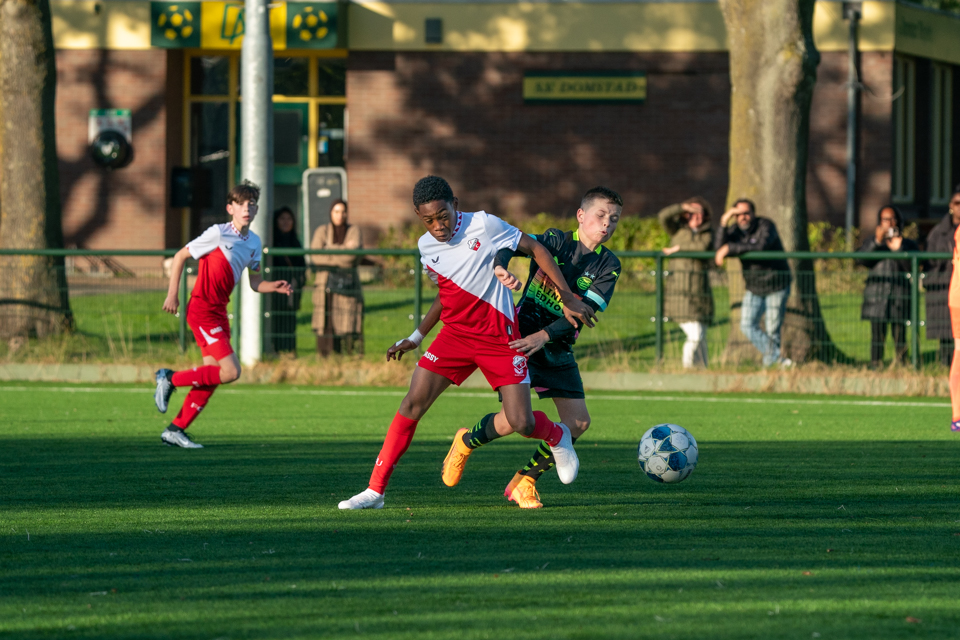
[256,134]
[852,12]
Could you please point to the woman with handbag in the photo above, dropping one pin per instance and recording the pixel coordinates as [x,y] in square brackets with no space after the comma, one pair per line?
[337,296]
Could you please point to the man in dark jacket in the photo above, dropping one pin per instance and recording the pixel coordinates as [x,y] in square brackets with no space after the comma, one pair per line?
[767,281]
[936,280]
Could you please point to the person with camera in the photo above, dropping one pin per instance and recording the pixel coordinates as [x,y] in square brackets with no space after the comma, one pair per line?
[886,296]
[337,296]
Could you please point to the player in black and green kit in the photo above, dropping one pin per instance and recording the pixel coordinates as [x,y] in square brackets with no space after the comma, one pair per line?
[547,337]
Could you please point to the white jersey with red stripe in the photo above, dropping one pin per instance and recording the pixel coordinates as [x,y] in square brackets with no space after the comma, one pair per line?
[475,303]
[223,254]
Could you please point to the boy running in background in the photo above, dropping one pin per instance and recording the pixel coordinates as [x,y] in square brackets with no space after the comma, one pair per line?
[224,251]
[479,322]
[547,339]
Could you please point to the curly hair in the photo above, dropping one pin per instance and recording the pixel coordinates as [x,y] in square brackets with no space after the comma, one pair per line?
[244,191]
[600,192]
[431,188]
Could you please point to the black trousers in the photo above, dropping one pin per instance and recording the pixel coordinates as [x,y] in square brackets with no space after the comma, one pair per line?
[879,335]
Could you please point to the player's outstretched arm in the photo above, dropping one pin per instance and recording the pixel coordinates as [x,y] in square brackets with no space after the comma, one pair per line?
[258,284]
[172,302]
[426,326]
[573,307]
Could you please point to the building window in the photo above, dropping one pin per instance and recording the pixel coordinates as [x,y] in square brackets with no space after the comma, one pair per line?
[941,133]
[904,129]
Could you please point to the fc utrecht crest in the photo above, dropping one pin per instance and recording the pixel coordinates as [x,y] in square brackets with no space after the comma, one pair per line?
[473,243]
[519,365]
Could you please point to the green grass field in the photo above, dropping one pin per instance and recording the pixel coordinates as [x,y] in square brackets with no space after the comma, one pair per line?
[807,517]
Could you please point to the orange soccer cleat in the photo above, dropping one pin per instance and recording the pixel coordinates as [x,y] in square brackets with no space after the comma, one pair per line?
[456,460]
[523,491]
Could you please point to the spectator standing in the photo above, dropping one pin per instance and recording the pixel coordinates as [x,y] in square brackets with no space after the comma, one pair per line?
[886,296]
[337,296]
[688,299]
[293,269]
[937,279]
[767,282]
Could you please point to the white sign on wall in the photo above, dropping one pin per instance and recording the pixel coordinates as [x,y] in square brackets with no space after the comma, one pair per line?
[115,119]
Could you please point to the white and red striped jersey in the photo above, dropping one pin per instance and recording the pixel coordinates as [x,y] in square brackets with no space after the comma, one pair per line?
[474,302]
[223,254]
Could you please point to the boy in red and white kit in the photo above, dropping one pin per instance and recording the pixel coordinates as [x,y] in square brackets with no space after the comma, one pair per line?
[224,251]
[479,322]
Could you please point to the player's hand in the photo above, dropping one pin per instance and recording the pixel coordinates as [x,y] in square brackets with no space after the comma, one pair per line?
[396,351]
[532,343]
[282,286]
[509,280]
[171,304]
[576,309]
[667,251]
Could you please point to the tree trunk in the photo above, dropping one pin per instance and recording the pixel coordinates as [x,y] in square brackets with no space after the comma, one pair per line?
[33,292]
[773,69]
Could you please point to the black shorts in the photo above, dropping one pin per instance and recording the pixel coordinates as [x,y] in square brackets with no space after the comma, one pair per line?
[556,381]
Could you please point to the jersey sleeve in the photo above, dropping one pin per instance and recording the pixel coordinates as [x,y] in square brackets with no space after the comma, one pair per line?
[502,235]
[204,243]
[552,239]
[254,263]
[601,290]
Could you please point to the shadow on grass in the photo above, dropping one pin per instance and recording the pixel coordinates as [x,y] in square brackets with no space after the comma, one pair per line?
[234,526]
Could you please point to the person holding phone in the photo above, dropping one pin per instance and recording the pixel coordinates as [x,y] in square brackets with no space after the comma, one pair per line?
[886,296]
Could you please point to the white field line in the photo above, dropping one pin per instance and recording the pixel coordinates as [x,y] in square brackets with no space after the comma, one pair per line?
[481,394]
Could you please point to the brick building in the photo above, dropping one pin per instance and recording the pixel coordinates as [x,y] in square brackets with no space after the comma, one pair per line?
[395,89]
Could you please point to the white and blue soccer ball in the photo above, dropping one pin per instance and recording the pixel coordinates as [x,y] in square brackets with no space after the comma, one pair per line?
[667,453]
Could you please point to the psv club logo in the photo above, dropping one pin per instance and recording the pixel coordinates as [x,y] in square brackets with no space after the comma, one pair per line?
[519,365]
[473,243]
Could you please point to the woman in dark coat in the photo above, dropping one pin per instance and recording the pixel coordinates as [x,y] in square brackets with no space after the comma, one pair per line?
[293,269]
[886,296]
[936,279]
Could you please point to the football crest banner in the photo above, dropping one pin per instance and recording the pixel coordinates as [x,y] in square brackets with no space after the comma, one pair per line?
[220,25]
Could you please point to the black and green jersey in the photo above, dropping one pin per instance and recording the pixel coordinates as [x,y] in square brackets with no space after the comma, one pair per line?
[590,274]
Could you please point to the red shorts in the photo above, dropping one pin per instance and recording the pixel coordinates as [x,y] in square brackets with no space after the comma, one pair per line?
[455,357]
[211,330]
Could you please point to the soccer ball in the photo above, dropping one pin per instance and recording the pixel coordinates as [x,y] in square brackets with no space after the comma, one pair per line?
[667,453]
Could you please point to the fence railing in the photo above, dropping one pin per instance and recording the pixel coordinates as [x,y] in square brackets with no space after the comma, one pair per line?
[116,299]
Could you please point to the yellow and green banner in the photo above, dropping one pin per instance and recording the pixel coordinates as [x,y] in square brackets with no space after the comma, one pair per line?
[584,87]
[220,25]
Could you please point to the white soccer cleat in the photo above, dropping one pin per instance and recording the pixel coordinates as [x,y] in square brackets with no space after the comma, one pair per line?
[368,499]
[165,389]
[568,464]
[178,438]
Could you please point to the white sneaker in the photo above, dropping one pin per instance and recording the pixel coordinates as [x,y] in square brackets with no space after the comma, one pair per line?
[165,389]
[178,438]
[368,499]
[568,464]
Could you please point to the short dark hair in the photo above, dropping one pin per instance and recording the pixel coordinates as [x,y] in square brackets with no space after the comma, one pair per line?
[956,189]
[749,203]
[600,192]
[431,188]
[244,191]
[896,213]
